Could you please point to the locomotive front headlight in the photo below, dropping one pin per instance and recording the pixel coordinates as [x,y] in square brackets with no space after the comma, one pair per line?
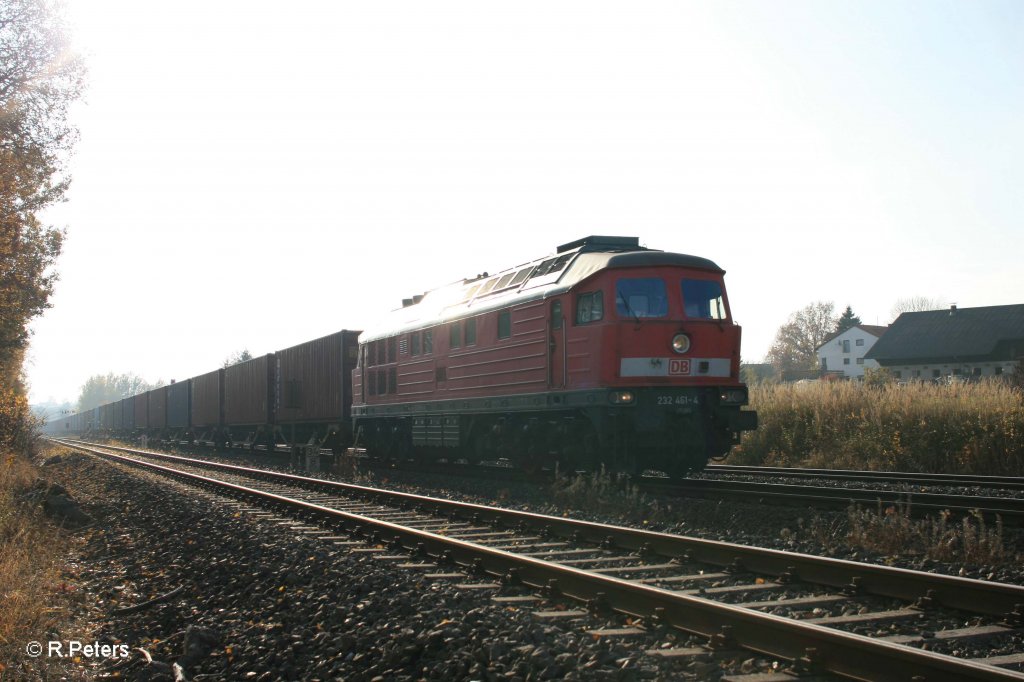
[680,343]
[732,396]
[621,397]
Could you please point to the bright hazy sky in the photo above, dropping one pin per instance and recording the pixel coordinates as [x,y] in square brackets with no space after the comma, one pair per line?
[255,174]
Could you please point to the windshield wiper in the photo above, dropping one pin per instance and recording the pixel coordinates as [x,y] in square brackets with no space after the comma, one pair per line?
[630,311]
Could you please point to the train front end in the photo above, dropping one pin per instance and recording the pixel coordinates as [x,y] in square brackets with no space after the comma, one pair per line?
[670,357]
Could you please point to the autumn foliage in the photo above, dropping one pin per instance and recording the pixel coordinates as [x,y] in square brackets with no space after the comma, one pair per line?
[39,79]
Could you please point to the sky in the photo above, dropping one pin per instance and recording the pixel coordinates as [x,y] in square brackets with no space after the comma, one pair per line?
[255,174]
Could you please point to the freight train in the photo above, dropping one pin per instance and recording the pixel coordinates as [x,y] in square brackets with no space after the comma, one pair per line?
[605,353]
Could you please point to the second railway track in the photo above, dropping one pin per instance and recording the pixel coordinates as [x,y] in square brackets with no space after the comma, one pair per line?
[733,595]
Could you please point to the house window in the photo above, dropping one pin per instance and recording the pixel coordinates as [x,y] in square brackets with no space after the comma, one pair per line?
[860,342]
[504,324]
[589,307]
[470,331]
[454,335]
[860,361]
[846,361]
[846,346]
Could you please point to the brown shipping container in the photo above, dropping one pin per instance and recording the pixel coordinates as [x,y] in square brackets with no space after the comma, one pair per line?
[142,410]
[128,413]
[313,379]
[158,408]
[247,392]
[118,411]
[206,399]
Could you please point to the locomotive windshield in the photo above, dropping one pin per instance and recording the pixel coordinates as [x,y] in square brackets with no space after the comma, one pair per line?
[641,297]
[703,300]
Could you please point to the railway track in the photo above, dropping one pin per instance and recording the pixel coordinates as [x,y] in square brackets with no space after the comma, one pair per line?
[914,493]
[854,620]
[1009,509]
[889,477]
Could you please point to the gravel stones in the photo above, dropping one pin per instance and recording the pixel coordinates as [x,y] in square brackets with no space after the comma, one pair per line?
[261,601]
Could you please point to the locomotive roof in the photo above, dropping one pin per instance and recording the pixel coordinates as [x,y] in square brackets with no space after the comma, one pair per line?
[549,276]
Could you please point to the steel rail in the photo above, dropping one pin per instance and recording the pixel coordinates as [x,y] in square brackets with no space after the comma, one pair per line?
[968,594]
[812,647]
[957,480]
[1011,509]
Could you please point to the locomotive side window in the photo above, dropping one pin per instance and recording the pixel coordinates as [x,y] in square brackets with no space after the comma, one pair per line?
[504,324]
[470,331]
[392,349]
[428,341]
[455,335]
[703,300]
[641,297]
[556,314]
[414,343]
[589,307]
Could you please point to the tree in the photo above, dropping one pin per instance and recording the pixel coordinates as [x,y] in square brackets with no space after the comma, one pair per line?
[916,304]
[101,389]
[847,321]
[796,342]
[240,356]
[39,79]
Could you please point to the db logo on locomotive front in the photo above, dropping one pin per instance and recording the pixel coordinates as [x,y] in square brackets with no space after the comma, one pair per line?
[678,366]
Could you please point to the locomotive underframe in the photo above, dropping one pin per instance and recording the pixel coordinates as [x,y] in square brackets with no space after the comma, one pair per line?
[670,429]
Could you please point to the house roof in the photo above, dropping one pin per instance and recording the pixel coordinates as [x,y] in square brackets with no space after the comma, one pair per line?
[873,329]
[954,335]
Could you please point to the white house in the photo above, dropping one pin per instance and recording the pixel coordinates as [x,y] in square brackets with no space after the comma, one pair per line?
[844,352]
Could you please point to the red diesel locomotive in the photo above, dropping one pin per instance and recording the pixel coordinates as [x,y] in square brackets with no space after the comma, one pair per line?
[605,353]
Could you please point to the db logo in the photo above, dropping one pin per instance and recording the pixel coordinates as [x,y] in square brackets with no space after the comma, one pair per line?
[678,366]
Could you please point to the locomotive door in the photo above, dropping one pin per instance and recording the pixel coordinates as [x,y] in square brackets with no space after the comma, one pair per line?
[556,346]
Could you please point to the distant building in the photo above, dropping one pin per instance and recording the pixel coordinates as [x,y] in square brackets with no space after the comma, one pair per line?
[845,351]
[964,342]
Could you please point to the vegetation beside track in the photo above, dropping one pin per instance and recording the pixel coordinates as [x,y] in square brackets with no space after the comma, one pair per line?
[32,558]
[891,530]
[970,428]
